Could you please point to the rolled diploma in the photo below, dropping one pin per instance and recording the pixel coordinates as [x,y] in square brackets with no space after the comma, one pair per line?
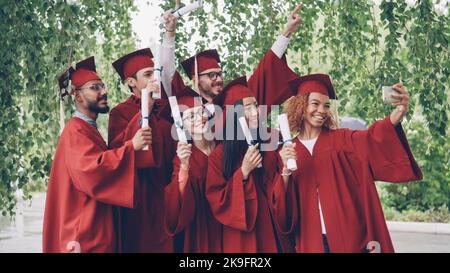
[157,73]
[286,134]
[248,136]
[177,118]
[144,110]
[186,9]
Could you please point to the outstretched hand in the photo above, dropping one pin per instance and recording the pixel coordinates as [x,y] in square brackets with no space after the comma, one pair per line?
[401,106]
[293,21]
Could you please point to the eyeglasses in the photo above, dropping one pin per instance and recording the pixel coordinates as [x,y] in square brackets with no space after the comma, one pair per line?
[213,75]
[197,115]
[95,87]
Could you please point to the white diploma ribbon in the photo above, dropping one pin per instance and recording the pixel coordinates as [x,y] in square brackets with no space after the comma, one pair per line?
[286,134]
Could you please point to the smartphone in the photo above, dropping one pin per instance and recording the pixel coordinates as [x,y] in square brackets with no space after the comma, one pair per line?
[387,92]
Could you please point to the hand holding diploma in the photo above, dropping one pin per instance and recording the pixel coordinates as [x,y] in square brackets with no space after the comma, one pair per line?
[179,12]
[287,153]
[147,103]
[170,21]
[401,106]
[184,153]
[294,20]
[142,138]
[252,158]
[188,8]
[156,93]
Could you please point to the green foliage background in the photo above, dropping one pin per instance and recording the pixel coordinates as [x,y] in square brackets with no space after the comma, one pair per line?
[39,39]
[361,44]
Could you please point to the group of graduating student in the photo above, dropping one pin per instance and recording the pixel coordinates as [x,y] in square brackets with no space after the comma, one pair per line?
[219,195]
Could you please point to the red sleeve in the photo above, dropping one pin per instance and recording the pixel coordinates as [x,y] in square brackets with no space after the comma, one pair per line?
[177,84]
[386,149]
[269,81]
[116,127]
[106,176]
[144,158]
[170,144]
[179,208]
[232,203]
[283,201]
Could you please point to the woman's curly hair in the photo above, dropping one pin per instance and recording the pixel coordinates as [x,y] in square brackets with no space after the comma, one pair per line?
[295,108]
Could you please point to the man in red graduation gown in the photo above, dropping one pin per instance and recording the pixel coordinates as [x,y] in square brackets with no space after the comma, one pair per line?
[270,76]
[205,72]
[86,179]
[142,228]
[339,208]
[137,69]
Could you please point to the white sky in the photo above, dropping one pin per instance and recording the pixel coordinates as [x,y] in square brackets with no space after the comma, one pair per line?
[145,22]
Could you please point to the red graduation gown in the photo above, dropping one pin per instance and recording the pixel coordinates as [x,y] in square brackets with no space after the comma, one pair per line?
[189,213]
[119,117]
[281,200]
[247,210]
[141,229]
[342,172]
[85,181]
[269,81]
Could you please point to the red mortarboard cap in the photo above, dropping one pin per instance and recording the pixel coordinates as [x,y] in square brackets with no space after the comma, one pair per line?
[190,100]
[205,60]
[187,97]
[320,83]
[84,72]
[234,91]
[131,63]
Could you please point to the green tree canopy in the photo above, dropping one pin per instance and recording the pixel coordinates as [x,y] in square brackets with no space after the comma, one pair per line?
[39,40]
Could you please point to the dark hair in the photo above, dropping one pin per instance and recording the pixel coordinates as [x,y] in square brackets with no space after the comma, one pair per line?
[234,149]
[296,107]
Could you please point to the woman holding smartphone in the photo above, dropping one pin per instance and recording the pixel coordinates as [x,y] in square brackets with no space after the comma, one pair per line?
[339,208]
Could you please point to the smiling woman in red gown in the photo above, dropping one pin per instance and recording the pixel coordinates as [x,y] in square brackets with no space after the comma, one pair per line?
[339,208]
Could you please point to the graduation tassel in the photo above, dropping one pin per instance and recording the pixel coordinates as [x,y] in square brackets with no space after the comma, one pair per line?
[196,89]
[62,112]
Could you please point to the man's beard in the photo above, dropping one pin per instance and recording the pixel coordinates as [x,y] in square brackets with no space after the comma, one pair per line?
[93,107]
[208,91]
